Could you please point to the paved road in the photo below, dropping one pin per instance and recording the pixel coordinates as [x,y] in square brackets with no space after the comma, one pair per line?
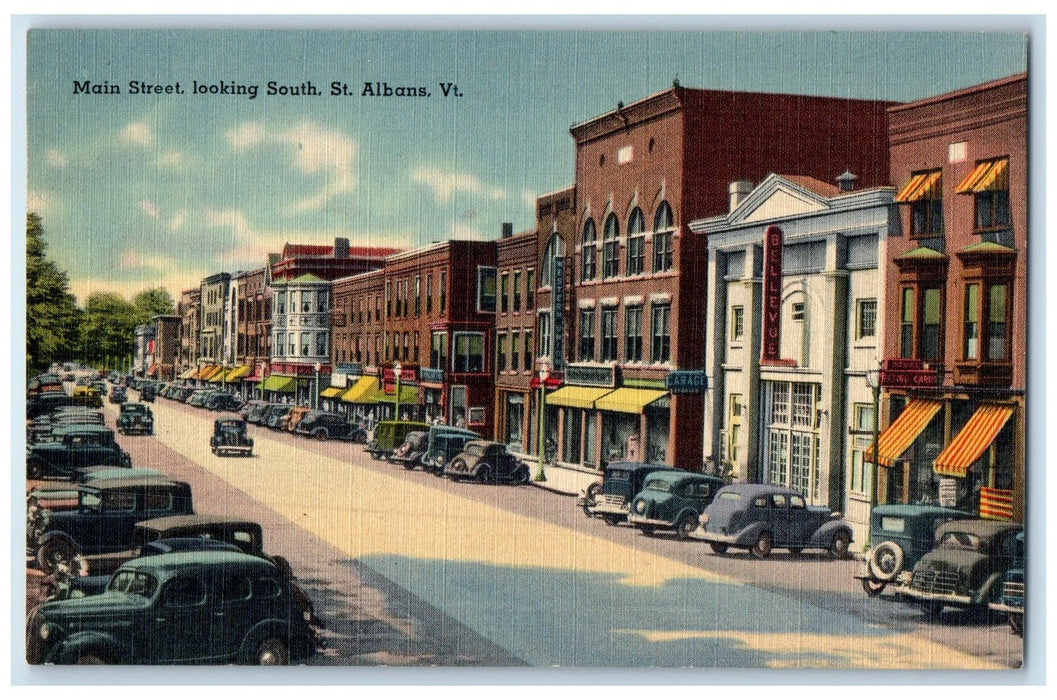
[413,570]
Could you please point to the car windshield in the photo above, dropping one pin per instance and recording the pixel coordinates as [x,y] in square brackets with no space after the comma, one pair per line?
[729,496]
[475,450]
[618,475]
[133,583]
[658,485]
[960,540]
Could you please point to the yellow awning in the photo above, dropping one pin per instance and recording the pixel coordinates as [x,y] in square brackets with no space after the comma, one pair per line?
[332,391]
[220,374]
[577,396]
[189,374]
[628,400]
[208,371]
[971,441]
[989,175]
[238,373]
[365,390]
[921,186]
[897,437]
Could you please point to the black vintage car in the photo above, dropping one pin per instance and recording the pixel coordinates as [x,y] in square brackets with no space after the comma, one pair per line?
[71,448]
[325,425]
[222,401]
[230,437]
[610,498]
[135,419]
[485,462]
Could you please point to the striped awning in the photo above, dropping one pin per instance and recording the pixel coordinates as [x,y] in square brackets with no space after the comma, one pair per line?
[629,400]
[207,372]
[897,437]
[238,373]
[189,374]
[332,391]
[971,441]
[996,504]
[364,391]
[920,186]
[577,396]
[988,175]
[220,374]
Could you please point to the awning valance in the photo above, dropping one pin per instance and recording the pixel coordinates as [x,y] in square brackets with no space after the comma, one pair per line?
[988,175]
[364,391]
[921,186]
[280,383]
[978,433]
[629,400]
[897,437]
[408,395]
[238,373]
[189,374]
[332,391]
[577,396]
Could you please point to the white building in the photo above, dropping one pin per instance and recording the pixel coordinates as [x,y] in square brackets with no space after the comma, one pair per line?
[792,335]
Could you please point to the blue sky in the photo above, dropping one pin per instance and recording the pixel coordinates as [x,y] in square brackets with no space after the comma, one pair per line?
[146,190]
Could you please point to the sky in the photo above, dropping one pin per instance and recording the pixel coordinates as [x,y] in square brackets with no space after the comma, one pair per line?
[145,190]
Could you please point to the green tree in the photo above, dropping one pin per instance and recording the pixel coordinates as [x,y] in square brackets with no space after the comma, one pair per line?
[154,302]
[52,316]
[108,328]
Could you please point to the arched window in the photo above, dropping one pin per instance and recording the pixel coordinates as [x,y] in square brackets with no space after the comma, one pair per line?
[554,251]
[663,225]
[588,252]
[610,247]
[636,251]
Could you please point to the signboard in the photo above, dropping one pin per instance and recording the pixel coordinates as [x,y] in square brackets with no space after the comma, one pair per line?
[354,368]
[433,376]
[772,295]
[686,382]
[590,375]
[948,493]
[901,372]
[557,297]
[407,376]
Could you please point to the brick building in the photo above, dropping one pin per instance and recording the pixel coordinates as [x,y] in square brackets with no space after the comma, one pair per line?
[327,262]
[357,329]
[955,358]
[189,310]
[253,313]
[166,347]
[215,291]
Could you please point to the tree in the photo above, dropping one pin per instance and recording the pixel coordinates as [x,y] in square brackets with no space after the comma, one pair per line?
[154,302]
[108,328]
[52,316]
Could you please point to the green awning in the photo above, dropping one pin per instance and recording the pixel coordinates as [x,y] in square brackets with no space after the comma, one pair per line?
[625,400]
[577,396]
[280,383]
[408,395]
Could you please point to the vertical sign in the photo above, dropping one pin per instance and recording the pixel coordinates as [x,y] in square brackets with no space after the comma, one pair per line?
[559,319]
[772,295]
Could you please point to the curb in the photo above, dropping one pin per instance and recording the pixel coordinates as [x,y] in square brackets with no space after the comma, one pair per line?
[553,489]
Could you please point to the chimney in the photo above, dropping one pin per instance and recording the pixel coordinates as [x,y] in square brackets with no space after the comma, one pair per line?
[739,190]
[508,229]
[846,181]
[341,247]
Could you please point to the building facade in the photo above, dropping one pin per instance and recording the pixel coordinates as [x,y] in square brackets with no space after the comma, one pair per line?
[166,347]
[252,330]
[189,309]
[215,292]
[357,330]
[300,326]
[955,357]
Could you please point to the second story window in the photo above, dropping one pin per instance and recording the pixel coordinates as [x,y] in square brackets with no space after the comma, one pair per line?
[988,183]
[737,323]
[587,335]
[609,335]
[517,292]
[661,346]
[530,290]
[865,318]
[663,224]
[636,252]
[923,194]
[588,252]
[610,247]
[920,326]
[504,300]
[633,334]
[468,352]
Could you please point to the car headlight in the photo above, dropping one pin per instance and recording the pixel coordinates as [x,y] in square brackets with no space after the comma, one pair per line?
[47,631]
[703,519]
[640,507]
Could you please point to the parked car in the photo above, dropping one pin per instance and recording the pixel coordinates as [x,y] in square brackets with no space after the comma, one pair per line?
[43,383]
[443,444]
[410,452]
[324,425]
[388,435]
[1011,601]
[148,392]
[221,401]
[135,418]
[71,448]
[672,500]
[87,395]
[487,461]
[248,407]
[294,416]
[258,414]
[899,536]
[966,568]
[103,519]
[46,402]
[276,416]
[611,497]
[186,607]
[40,428]
[198,397]
[229,437]
[760,517]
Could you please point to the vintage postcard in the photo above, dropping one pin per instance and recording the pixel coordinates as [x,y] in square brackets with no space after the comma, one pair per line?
[479,347]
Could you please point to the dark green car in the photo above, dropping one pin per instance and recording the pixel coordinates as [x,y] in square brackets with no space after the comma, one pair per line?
[673,500]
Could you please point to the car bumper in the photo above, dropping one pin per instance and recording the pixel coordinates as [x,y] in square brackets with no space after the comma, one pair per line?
[945,598]
[639,521]
[1006,608]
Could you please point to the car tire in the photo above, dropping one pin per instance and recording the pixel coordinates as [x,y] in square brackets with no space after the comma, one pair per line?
[611,520]
[764,545]
[646,530]
[685,526]
[838,549]
[321,434]
[91,658]
[718,547]
[484,474]
[521,476]
[55,552]
[1016,623]
[590,497]
[873,587]
[272,652]
[886,561]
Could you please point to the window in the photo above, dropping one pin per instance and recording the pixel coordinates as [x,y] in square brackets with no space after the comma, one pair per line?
[321,300]
[971,328]
[321,343]
[636,251]
[438,352]
[930,325]
[863,418]
[388,299]
[609,335]
[515,350]
[588,252]
[633,334]
[797,309]
[791,437]
[306,344]
[988,183]
[184,593]
[997,323]
[414,345]
[418,295]
[486,291]
[552,256]
[443,290]
[429,294]
[528,350]
[586,351]
[661,347]
[468,352]
[280,343]
[920,324]
[530,290]
[543,334]
[407,346]
[906,324]
[504,301]
[865,318]
[281,302]
[500,352]
[737,323]
[517,292]
[610,247]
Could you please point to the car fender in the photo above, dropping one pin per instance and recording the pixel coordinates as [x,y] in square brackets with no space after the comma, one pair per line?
[67,651]
[261,631]
[683,513]
[991,590]
[58,535]
[824,535]
[747,536]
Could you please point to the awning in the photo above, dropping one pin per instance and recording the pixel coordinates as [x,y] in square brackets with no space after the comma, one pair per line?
[408,395]
[207,371]
[897,437]
[238,373]
[989,175]
[189,374]
[628,400]
[921,186]
[577,396]
[280,383]
[971,441]
[332,391]
[219,374]
[364,391]
[152,371]
[996,504]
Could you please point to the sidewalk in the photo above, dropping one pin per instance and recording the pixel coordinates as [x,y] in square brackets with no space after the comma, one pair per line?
[569,482]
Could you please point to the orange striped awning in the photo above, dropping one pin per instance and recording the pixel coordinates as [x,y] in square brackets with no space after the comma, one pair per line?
[921,186]
[972,440]
[897,437]
[996,504]
[988,175]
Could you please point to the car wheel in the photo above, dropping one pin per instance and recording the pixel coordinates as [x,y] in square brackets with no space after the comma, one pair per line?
[273,652]
[611,519]
[718,547]
[685,526]
[873,587]
[1016,623]
[764,545]
[34,469]
[931,608]
[838,549]
[484,474]
[647,530]
[54,553]
[91,658]
[886,561]
[591,496]
[521,476]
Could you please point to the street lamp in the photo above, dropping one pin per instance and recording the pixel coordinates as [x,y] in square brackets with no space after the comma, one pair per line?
[873,380]
[545,373]
[397,368]
[315,388]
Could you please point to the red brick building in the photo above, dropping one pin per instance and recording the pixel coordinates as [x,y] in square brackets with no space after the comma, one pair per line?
[955,357]
[327,262]
[253,313]
[189,309]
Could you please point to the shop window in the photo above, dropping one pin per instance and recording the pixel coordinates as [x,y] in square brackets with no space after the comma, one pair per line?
[609,335]
[588,252]
[636,248]
[633,334]
[610,247]
[587,335]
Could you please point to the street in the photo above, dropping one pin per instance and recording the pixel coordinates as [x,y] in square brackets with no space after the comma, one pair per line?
[411,570]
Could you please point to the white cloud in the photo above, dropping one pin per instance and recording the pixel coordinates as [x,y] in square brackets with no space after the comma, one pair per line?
[466,232]
[176,221]
[246,135]
[149,208]
[529,198]
[171,159]
[133,259]
[55,158]
[40,201]
[138,133]
[446,185]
